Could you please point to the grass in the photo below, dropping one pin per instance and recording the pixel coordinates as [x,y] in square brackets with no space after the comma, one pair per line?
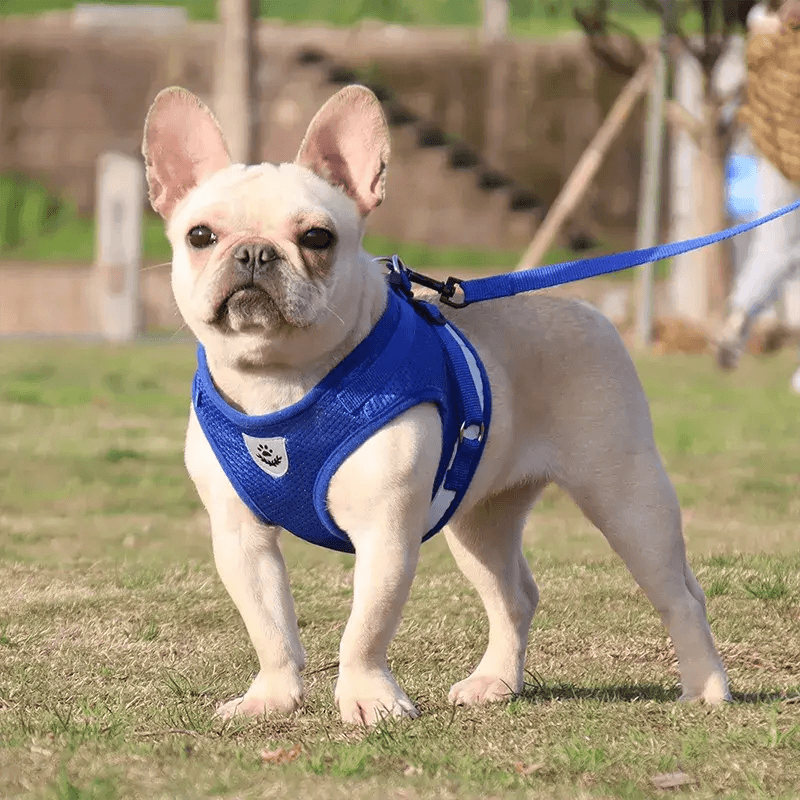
[117,639]
[36,226]
[528,17]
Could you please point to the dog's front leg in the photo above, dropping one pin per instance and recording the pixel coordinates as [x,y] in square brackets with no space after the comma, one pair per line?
[366,690]
[251,566]
[381,497]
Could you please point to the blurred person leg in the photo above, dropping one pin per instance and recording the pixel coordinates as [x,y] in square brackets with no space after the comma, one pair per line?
[773,255]
[795,382]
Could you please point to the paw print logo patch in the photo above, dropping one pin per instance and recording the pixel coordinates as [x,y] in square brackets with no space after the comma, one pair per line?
[269,454]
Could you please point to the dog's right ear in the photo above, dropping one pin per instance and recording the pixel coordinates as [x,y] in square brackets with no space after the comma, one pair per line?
[182,146]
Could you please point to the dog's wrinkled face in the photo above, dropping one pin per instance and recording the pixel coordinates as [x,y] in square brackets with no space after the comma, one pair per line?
[263,253]
[255,249]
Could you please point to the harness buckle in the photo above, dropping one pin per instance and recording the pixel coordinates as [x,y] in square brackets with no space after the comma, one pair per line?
[462,434]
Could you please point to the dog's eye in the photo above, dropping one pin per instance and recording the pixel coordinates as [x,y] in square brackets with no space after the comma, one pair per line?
[201,236]
[316,239]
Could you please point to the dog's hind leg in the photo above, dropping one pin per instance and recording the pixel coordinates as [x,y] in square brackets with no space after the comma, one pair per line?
[487,545]
[631,500]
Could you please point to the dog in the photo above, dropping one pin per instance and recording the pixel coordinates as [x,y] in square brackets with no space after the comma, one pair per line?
[269,273]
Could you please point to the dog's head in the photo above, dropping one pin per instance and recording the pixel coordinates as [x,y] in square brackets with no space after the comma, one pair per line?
[266,254]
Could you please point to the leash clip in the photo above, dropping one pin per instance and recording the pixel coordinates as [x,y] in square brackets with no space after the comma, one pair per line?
[401,277]
[447,293]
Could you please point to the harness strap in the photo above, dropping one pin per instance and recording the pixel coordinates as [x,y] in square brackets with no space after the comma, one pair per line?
[476,414]
[475,397]
[472,430]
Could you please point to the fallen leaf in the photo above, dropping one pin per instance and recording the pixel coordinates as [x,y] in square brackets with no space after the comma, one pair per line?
[527,769]
[281,755]
[671,780]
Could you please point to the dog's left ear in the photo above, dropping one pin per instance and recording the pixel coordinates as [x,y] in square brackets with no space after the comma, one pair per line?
[347,144]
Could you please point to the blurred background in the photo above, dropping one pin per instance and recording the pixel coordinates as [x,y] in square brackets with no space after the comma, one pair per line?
[492,103]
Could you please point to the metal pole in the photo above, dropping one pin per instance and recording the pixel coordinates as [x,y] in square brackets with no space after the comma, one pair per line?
[650,190]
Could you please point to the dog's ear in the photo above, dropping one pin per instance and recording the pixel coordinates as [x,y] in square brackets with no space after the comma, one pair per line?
[182,145]
[347,144]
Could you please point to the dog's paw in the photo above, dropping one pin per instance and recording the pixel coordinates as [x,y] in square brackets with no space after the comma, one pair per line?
[366,699]
[282,697]
[479,689]
[714,691]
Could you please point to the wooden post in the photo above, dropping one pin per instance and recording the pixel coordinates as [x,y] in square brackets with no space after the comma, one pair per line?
[587,166]
[234,78]
[650,188]
[118,245]
[495,33]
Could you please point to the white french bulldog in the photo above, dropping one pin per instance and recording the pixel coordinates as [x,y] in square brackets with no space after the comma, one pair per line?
[270,275]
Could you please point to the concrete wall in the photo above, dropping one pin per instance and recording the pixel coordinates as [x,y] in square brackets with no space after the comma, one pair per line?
[61,300]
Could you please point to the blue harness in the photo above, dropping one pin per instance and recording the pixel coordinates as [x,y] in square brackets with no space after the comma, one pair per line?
[281,464]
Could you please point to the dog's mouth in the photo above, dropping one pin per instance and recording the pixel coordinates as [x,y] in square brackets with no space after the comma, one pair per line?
[247,306]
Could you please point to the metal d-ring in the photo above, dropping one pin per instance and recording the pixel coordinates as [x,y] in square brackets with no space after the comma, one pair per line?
[462,432]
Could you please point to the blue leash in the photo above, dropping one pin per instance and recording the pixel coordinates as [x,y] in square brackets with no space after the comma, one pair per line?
[512,283]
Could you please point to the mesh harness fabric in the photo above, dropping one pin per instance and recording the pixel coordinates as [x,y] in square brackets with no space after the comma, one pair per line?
[281,464]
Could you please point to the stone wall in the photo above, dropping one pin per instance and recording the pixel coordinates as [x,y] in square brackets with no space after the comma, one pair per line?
[68,95]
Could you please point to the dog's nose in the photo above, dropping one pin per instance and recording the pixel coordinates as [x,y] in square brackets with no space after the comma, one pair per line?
[255,254]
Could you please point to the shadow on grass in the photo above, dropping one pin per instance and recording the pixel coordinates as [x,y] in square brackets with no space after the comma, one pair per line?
[623,693]
[764,697]
[537,692]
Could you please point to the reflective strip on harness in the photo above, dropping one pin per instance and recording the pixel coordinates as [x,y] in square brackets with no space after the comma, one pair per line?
[472,429]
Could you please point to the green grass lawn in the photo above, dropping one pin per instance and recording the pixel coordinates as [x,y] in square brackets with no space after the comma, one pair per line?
[528,17]
[117,639]
[73,242]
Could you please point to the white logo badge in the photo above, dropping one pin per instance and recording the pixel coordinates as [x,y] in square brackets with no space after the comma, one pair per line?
[269,454]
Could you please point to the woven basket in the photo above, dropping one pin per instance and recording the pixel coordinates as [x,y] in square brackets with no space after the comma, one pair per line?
[772,107]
